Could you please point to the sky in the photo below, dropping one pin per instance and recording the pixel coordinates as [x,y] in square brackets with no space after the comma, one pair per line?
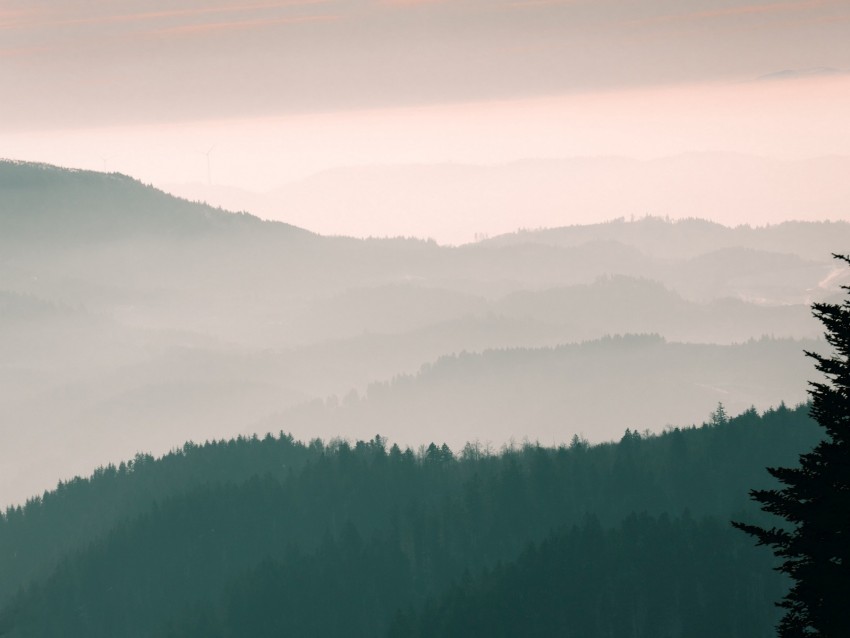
[256,94]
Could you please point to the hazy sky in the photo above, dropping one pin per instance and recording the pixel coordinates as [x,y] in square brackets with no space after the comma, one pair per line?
[83,62]
[281,89]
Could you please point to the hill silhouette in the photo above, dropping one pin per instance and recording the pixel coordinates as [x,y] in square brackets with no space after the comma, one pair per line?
[42,201]
[188,543]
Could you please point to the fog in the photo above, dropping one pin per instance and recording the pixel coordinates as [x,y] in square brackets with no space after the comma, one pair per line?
[458,203]
[132,321]
[755,151]
[421,317]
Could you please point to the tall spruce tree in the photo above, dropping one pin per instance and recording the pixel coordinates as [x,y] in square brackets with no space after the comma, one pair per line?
[814,500]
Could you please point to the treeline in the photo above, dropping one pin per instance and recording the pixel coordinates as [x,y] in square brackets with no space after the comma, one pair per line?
[34,536]
[269,537]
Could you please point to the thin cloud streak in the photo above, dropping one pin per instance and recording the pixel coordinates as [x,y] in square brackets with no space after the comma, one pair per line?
[388,53]
[410,3]
[752,9]
[844,17]
[535,4]
[199,29]
[10,18]
[22,51]
[159,15]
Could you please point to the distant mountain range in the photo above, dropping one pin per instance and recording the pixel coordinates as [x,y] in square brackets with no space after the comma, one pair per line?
[594,389]
[455,202]
[132,320]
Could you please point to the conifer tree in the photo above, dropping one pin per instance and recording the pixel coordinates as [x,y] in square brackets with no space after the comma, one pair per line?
[814,500]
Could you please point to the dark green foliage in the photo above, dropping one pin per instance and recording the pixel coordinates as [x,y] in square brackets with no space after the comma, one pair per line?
[814,500]
[35,536]
[648,577]
[220,538]
[346,587]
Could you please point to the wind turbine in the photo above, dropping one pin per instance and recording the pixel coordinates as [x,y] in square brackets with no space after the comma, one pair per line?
[105,158]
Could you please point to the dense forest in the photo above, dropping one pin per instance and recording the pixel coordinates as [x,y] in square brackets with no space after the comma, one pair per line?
[269,537]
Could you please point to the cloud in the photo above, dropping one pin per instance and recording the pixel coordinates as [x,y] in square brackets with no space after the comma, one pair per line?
[410,3]
[18,52]
[199,29]
[10,18]
[540,3]
[828,19]
[370,53]
[792,74]
[31,18]
[771,8]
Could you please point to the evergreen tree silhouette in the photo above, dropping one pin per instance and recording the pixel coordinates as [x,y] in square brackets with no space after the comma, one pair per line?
[814,542]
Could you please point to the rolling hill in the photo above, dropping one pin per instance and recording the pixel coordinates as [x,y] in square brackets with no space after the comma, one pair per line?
[131,320]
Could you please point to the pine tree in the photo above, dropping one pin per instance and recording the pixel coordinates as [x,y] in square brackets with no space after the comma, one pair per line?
[814,500]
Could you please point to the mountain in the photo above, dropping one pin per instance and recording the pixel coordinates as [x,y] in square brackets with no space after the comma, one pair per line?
[550,394]
[131,320]
[265,536]
[42,202]
[693,237]
[424,200]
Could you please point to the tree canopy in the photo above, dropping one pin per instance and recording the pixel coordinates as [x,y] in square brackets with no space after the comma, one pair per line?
[814,500]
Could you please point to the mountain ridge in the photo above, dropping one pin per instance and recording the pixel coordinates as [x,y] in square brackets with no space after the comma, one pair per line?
[423,199]
[45,201]
[231,321]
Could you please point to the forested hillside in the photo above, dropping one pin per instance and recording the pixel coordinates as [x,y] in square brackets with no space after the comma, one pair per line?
[133,320]
[70,207]
[424,319]
[549,394]
[267,537]
[649,576]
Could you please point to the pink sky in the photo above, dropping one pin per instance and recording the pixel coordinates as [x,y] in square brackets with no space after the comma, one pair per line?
[75,63]
[788,119]
[284,89]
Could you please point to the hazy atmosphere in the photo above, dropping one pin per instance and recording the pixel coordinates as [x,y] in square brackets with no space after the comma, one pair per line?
[420,317]
[276,108]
